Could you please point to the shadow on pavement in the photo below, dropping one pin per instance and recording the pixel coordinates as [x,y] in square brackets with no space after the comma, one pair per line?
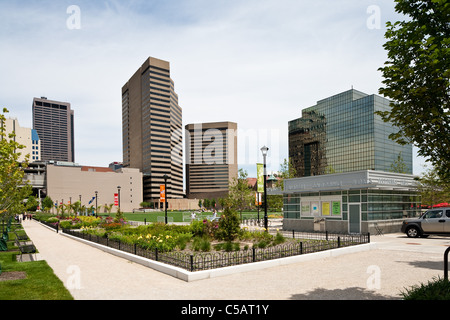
[354,293]
[433,265]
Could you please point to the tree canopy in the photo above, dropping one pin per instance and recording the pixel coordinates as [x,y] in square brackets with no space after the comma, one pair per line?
[416,78]
[240,196]
[13,191]
[433,189]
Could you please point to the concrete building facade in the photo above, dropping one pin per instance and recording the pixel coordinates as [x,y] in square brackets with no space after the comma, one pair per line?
[26,137]
[152,129]
[54,123]
[211,159]
[70,182]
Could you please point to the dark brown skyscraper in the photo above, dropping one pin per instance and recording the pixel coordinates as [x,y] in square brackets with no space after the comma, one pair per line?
[211,159]
[152,129]
[54,123]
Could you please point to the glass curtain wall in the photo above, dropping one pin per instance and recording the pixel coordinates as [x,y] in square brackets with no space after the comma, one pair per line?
[375,204]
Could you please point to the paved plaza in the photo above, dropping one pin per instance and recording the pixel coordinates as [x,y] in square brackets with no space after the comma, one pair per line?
[396,263]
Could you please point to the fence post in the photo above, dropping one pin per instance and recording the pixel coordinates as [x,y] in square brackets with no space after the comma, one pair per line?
[293,234]
[339,242]
[301,247]
[326,235]
[192,262]
[446,263]
[253,254]
[135,248]
[368,237]
[156,254]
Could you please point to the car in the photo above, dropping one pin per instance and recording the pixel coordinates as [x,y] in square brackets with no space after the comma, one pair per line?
[433,221]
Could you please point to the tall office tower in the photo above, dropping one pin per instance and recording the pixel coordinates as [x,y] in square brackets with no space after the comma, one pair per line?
[211,159]
[342,133]
[152,129]
[54,123]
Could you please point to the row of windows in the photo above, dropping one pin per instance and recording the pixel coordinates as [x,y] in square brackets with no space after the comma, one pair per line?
[50,105]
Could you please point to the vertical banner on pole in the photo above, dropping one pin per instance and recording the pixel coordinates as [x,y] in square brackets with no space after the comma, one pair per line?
[258,200]
[162,193]
[116,199]
[260,177]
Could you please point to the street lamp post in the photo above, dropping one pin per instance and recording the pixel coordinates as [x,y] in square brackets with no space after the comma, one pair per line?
[264,153]
[165,196]
[96,208]
[118,197]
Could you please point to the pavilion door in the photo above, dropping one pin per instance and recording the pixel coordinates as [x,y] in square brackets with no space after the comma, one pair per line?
[354,218]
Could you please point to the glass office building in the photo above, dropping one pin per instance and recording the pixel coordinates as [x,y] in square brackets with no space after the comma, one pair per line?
[350,202]
[342,133]
[345,165]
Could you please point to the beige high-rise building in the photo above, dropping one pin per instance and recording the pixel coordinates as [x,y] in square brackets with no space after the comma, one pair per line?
[152,129]
[211,159]
[26,137]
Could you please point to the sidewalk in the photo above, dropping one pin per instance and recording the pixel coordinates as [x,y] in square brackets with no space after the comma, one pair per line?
[382,273]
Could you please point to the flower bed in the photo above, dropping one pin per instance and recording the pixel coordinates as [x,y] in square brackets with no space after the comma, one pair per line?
[202,244]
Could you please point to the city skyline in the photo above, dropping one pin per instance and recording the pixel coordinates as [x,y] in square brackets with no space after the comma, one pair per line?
[263,62]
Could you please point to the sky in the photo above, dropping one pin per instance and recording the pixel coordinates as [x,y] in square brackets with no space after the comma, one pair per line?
[254,62]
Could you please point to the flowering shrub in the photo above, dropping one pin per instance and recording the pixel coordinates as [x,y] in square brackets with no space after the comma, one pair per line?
[76,222]
[164,242]
[112,224]
[210,228]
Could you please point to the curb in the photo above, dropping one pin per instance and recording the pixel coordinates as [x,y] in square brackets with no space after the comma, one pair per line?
[188,276]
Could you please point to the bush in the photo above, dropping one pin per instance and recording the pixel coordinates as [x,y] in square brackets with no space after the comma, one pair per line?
[196,227]
[229,226]
[438,289]
[201,244]
[228,246]
[279,239]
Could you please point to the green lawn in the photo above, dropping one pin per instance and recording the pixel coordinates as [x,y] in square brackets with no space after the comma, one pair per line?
[40,282]
[182,216]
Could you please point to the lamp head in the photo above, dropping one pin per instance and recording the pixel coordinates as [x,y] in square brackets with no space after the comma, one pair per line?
[264,150]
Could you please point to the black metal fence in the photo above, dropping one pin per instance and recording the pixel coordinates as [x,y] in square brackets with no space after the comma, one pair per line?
[54,226]
[196,261]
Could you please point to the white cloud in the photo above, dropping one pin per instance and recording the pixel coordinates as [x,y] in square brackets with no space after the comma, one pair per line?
[257,63]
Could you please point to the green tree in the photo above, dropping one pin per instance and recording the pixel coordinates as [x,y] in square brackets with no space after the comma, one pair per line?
[287,171]
[399,165]
[13,190]
[275,202]
[432,188]
[229,225]
[206,203]
[109,207]
[76,207]
[47,203]
[417,79]
[222,202]
[32,203]
[240,195]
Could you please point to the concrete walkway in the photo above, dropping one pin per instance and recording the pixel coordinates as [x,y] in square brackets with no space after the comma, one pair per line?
[383,273]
